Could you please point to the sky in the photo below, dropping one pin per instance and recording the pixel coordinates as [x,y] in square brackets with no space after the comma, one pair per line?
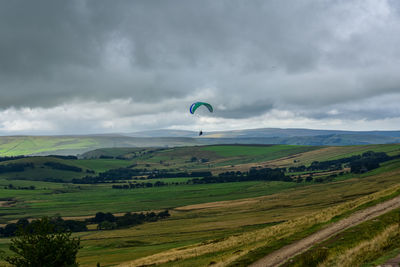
[98,66]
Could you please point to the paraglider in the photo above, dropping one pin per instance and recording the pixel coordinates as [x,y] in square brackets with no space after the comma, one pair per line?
[196,105]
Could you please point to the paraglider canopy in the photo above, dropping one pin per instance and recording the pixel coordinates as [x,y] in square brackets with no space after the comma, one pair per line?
[196,105]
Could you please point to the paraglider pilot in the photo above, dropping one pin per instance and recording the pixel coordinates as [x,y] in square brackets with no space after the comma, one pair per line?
[196,105]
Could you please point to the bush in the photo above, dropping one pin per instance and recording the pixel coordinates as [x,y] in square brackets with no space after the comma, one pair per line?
[39,245]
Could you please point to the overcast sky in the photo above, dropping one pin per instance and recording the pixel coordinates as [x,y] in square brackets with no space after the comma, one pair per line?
[76,67]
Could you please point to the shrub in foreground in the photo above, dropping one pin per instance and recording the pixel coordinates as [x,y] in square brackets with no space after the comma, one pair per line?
[39,245]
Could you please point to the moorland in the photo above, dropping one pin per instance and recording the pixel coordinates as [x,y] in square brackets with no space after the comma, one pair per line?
[222,205]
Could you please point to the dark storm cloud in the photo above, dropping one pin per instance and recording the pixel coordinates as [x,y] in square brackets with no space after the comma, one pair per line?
[249,56]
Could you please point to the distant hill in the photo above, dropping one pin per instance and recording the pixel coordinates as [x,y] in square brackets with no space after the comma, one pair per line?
[78,144]
[260,132]
[73,145]
[283,136]
[163,133]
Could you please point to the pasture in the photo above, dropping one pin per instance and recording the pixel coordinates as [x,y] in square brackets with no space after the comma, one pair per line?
[202,215]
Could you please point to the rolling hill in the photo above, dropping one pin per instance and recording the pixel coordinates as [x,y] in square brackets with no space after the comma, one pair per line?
[78,144]
[227,217]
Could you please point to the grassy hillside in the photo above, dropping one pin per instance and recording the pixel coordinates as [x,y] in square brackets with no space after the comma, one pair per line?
[72,145]
[26,145]
[333,152]
[361,244]
[221,216]
[198,226]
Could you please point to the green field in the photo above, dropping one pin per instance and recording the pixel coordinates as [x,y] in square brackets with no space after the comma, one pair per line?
[72,145]
[26,145]
[266,151]
[200,213]
[68,200]
[99,165]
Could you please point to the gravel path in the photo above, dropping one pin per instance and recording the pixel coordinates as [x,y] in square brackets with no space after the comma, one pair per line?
[280,256]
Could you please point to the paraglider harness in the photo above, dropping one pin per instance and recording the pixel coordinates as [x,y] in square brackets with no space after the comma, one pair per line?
[196,105]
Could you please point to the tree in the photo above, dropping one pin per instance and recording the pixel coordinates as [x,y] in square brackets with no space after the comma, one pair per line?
[39,245]
[106,225]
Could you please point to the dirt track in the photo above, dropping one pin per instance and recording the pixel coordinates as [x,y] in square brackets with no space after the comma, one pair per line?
[280,256]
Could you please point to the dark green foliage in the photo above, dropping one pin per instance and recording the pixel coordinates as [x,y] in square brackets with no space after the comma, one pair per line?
[369,160]
[301,168]
[318,180]
[58,224]
[23,222]
[11,158]
[107,221]
[358,163]
[61,166]
[53,180]
[361,166]
[38,245]
[9,230]
[139,185]
[201,174]
[61,225]
[105,157]
[111,176]
[164,174]
[101,216]
[63,157]
[11,186]
[15,167]
[106,225]
[265,174]
[127,174]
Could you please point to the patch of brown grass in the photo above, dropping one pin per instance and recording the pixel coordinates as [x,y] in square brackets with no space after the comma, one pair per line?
[357,255]
[255,239]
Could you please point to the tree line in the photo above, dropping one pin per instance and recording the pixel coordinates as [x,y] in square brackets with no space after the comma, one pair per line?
[20,167]
[111,175]
[13,187]
[58,225]
[22,157]
[358,163]
[114,175]
[61,166]
[165,174]
[131,185]
[15,167]
[254,174]
[11,158]
[369,160]
[104,220]
[107,221]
